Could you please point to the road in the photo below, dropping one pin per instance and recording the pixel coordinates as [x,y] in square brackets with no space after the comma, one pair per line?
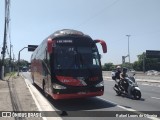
[108,102]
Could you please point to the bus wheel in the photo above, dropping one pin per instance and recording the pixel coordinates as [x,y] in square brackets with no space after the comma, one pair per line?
[33,83]
[44,89]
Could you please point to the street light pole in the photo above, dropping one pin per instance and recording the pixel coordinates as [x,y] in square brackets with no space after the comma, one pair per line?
[19,59]
[128,48]
[30,48]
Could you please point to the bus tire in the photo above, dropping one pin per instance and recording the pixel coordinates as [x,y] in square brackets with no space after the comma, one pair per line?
[33,83]
[44,89]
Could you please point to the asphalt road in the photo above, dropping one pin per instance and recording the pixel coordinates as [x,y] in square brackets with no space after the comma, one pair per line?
[150,101]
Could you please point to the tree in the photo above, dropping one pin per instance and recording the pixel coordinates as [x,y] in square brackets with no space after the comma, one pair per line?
[137,65]
[127,65]
[150,63]
[22,63]
[108,66]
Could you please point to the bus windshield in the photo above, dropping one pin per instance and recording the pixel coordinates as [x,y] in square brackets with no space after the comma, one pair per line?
[76,57]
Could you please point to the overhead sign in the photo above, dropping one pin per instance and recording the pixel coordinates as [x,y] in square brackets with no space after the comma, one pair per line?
[152,54]
[32,47]
[123,59]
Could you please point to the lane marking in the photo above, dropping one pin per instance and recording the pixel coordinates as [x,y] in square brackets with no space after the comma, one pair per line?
[155,98]
[150,85]
[145,84]
[41,102]
[35,100]
[128,109]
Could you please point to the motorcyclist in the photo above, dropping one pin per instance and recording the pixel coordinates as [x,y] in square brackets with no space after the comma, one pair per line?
[118,72]
[117,76]
[123,81]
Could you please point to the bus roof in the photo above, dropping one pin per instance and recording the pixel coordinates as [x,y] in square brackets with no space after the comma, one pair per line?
[67,32]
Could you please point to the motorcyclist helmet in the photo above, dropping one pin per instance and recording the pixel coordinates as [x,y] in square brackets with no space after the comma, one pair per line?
[118,68]
[124,70]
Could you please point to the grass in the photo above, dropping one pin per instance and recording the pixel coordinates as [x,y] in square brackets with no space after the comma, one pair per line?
[11,74]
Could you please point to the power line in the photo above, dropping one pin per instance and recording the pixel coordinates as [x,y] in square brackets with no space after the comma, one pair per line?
[98,13]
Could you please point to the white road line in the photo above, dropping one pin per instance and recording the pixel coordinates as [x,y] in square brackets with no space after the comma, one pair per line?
[41,102]
[155,97]
[151,85]
[36,102]
[128,109]
[145,84]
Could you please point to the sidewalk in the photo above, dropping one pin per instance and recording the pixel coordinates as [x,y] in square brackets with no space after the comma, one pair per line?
[15,96]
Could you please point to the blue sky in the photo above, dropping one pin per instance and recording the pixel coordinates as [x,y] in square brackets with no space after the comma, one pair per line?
[111,20]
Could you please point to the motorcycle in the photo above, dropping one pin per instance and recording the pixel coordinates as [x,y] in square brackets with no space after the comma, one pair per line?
[128,87]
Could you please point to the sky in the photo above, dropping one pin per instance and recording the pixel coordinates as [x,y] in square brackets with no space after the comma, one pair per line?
[31,21]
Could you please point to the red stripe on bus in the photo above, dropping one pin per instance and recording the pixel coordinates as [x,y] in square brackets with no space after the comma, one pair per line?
[69,81]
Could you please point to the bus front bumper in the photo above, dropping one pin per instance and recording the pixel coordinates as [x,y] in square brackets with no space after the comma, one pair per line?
[77,95]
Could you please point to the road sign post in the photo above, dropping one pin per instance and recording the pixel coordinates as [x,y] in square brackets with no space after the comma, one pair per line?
[30,48]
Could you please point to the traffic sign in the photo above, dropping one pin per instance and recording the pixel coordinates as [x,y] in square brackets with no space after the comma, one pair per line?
[152,54]
[32,47]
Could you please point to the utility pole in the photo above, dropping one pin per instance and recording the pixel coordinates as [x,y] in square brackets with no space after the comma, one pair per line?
[128,48]
[10,59]
[6,24]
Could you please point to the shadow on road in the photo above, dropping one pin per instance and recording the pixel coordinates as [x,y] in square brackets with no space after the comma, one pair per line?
[129,97]
[78,104]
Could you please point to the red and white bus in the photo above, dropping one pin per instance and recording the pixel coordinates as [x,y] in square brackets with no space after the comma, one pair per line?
[67,65]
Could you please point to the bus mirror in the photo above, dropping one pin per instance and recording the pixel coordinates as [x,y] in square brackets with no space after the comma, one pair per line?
[103,43]
[49,46]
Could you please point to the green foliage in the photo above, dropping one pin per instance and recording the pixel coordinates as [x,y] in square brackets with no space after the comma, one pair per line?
[23,63]
[127,65]
[108,67]
[13,65]
[11,74]
[138,65]
[150,63]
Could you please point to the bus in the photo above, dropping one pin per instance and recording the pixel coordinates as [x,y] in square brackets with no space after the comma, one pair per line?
[67,65]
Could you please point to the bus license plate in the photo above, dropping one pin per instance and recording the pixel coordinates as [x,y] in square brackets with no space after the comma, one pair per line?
[81,93]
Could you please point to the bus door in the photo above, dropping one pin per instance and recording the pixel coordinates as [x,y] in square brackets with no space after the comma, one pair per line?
[46,74]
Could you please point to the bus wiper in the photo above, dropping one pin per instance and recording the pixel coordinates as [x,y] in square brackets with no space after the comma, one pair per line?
[81,59]
[78,60]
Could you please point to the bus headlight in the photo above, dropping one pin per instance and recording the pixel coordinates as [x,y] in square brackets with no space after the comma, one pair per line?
[56,86]
[101,84]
